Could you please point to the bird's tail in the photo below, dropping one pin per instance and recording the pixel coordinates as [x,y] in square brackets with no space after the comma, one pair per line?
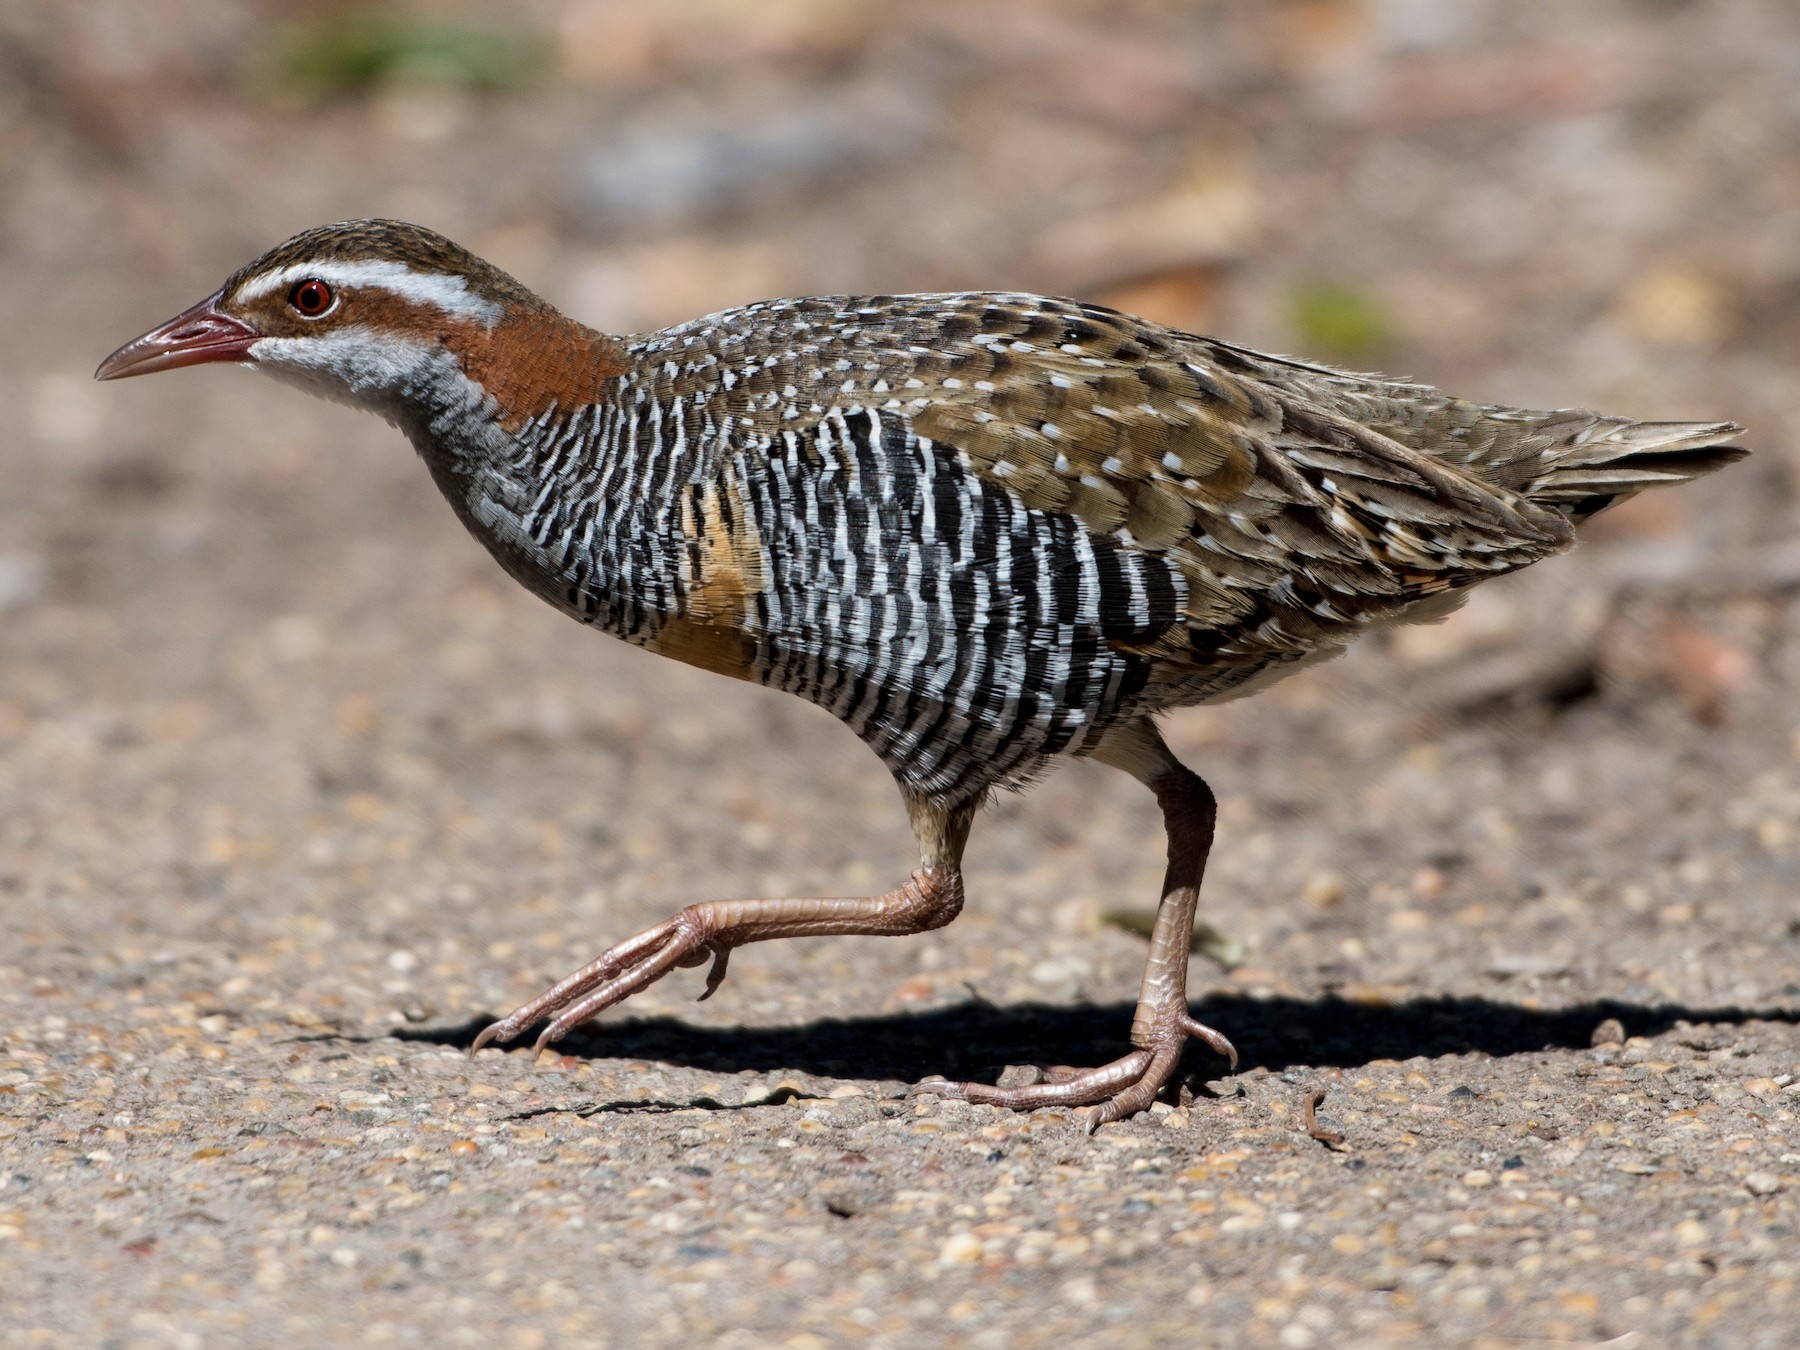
[1612,458]
[1577,462]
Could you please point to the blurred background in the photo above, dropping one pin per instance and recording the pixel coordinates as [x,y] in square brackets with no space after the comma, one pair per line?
[287,764]
[257,686]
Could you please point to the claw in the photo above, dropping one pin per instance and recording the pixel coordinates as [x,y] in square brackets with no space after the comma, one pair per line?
[1201,1032]
[484,1037]
[716,976]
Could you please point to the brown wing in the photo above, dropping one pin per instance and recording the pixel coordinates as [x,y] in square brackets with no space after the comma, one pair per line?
[1293,524]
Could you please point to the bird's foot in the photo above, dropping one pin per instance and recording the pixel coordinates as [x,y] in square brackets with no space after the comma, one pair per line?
[1112,1091]
[614,976]
[709,931]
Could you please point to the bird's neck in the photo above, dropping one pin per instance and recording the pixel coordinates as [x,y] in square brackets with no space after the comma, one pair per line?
[472,411]
[537,360]
[485,423]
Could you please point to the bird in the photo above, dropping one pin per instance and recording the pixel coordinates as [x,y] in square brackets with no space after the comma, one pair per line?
[990,532]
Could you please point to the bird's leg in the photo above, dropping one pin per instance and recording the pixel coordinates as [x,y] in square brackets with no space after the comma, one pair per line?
[930,899]
[1162,1025]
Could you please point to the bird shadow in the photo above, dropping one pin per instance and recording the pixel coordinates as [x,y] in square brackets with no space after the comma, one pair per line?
[977,1039]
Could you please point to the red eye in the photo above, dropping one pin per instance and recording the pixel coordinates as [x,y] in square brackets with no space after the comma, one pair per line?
[312,298]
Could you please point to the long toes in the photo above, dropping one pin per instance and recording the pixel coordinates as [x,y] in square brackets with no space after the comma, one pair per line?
[1077,1087]
[645,971]
[1072,1092]
[614,975]
[1113,1091]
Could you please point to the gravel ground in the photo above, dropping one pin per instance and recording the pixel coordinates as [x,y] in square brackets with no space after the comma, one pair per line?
[296,790]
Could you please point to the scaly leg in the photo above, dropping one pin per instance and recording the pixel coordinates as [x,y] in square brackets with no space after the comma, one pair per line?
[701,932]
[1162,1025]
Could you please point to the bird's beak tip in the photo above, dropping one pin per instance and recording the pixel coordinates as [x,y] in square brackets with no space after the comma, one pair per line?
[194,337]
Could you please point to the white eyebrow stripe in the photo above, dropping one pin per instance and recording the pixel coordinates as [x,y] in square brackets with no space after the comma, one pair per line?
[448,293]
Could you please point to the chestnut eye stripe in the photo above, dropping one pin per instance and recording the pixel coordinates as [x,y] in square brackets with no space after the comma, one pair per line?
[451,294]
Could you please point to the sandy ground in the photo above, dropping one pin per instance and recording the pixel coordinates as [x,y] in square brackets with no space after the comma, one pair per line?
[296,790]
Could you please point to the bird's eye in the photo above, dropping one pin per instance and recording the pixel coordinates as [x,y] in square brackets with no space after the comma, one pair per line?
[311,298]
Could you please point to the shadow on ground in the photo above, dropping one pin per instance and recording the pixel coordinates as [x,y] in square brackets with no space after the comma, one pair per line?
[974,1040]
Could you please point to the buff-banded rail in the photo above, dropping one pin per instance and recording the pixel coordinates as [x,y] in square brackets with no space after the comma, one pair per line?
[987,531]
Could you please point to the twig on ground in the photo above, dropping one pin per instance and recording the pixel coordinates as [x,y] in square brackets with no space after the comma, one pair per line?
[1329,1138]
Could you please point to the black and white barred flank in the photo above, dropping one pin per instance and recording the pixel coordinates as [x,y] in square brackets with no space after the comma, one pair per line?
[963,636]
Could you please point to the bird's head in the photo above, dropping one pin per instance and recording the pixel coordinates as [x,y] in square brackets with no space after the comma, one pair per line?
[386,315]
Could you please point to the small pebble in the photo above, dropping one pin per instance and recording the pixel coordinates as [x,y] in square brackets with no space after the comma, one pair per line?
[959,1249]
[1609,1032]
[1762,1183]
[1322,889]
